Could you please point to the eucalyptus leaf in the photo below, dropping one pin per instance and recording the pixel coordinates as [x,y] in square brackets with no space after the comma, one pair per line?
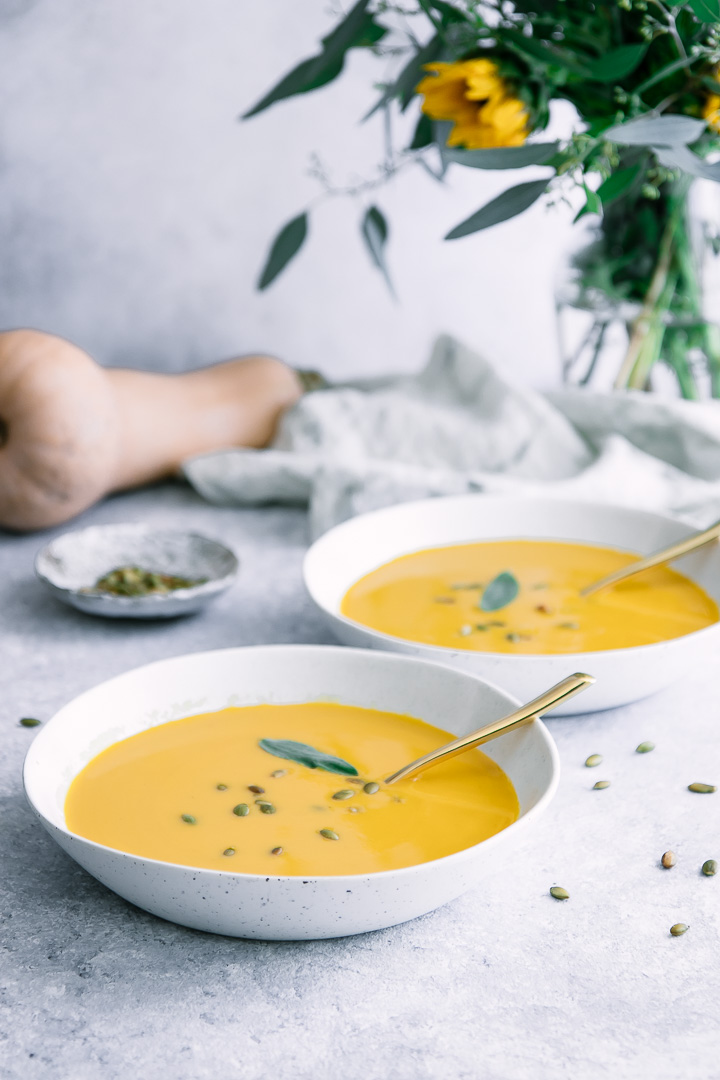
[508,205]
[593,204]
[680,157]
[303,754]
[617,184]
[374,231]
[706,10]
[543,52]
[504,157]
[286,245]
[357,29]
[423,134]
[617,64]
[501,591]
[656,131]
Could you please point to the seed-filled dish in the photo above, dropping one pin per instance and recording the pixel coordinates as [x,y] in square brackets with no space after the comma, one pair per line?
[523,596]
[290,790]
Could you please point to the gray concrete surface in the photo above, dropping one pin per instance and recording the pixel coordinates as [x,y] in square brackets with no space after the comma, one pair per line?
[504,984]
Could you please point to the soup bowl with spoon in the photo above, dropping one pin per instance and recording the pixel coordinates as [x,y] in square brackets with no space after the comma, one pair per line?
[350,551]
[287,907]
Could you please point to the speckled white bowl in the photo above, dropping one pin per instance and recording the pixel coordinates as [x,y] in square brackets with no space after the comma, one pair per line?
[71,564]
[351,550]
[284,908]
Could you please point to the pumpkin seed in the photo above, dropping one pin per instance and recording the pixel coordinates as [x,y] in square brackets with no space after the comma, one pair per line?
[276,851]
[669,859]
[278,772]
[256,789]
[29,721]
[593,760]
[371,788]
[189,819]
[221,787]
[241,810]
[465,630]
[229,851]
[513,637]
[559,894]
[679,929]
[267,808]
[443,600]
[346,793]
[570,625]
[601,785]
[702,789]
[644,747]
[709,868]
[329,834]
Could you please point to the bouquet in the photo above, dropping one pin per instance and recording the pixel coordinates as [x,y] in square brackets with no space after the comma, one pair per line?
[644,79]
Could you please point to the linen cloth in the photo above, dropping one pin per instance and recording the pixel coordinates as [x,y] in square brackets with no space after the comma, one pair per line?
[461,426]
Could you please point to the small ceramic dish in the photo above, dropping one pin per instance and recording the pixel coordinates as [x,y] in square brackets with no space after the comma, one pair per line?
[285,907]
[71,564]
[351,550]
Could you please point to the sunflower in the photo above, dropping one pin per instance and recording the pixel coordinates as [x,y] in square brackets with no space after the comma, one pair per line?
[475,97]
[711,112]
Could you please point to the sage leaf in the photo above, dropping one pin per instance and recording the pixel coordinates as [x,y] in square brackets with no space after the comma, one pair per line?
[508,205]
[504,157]
[374,231]
[681,157]
[501,591]
[672,130]
[358,29]
[285,247]
[303,754]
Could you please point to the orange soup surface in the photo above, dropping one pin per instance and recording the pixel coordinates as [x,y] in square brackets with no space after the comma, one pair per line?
[202,792]
[436,596]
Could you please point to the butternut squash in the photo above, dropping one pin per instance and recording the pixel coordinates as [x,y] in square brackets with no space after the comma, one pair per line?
[72,431]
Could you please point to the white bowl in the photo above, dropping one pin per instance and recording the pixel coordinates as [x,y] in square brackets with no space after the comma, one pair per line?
[349,551]
[71,564]
[284,908]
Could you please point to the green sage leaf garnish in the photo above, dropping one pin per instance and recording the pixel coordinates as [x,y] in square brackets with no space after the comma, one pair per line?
[501,591]
[307,755]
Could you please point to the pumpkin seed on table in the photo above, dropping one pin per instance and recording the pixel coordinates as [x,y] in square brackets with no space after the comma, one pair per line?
[558,893]
[702,789]
[709,868]
[601,785]
[669,859]
[644,747]
[593,760]
[679,929]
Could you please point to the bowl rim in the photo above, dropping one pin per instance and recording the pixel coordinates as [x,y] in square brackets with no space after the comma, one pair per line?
[440,651]
[213,585]
[375,657]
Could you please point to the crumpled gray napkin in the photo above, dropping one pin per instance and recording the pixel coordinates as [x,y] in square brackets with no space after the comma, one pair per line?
[460,426]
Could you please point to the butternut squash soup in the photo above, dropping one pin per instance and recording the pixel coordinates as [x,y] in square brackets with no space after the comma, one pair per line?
[522,596]
[288,789]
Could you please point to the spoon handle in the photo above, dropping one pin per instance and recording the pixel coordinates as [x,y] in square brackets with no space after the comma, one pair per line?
[563,691]
[683,547]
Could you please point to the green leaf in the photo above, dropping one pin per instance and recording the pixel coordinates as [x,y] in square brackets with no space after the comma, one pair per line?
[404,86]
[374,231]
[680,157]
[306,755]
[508,205]
[504,157]
[501,591]
[593,204]
[666,130]
[423,134]
[617,64]
[706,10]
[617,184]
[543,52]
[665,73]
[357,29]
[285,247]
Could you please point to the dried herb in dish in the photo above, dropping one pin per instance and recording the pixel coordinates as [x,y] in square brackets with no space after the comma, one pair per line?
[134,581]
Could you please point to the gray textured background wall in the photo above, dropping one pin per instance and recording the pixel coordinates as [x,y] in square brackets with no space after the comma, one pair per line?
[135,210]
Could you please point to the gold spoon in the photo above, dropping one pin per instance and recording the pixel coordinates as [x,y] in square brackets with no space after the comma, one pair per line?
[683,547]
[562,692]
